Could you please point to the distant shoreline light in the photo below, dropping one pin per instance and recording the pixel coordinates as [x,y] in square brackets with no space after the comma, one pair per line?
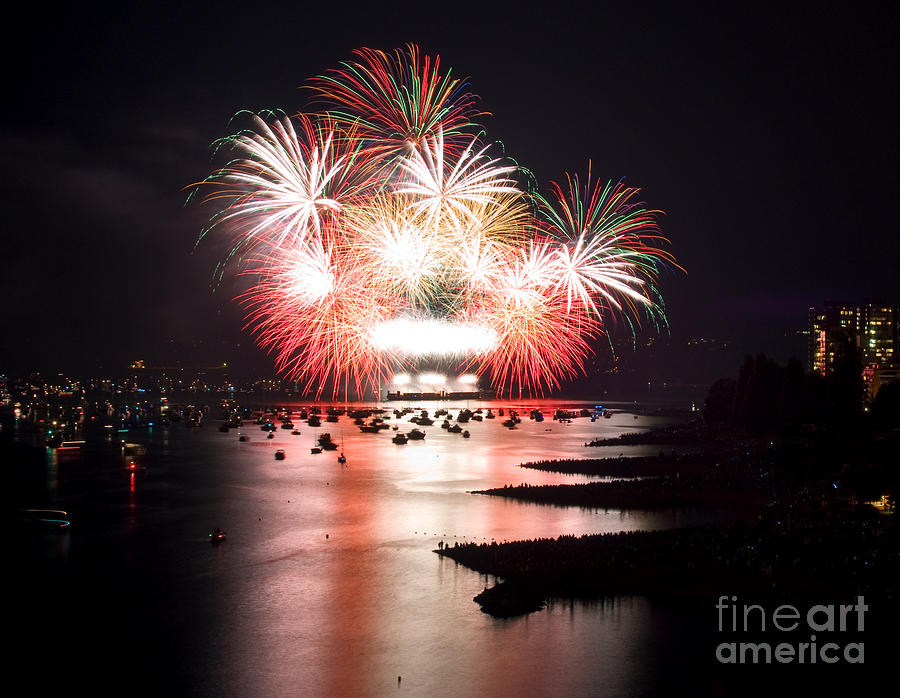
[433,337]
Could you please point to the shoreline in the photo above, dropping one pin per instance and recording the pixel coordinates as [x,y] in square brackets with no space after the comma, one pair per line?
[666,492]
[795,533]
[623,466]
[784,554]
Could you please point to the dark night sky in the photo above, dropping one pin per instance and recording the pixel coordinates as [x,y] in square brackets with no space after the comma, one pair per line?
[767,134]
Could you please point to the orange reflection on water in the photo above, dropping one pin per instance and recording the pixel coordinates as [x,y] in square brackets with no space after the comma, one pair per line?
[355,586]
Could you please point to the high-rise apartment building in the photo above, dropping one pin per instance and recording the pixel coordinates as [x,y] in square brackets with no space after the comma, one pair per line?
[828,327]
[878,333]
[871,327]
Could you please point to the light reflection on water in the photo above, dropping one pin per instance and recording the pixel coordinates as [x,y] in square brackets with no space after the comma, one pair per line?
[328,584]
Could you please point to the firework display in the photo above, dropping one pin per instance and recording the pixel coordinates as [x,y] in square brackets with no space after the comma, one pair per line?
[383,229]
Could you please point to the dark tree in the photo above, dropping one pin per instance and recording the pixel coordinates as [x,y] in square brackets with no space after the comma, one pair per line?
[790,408]
[846,384]
[758,394]
[885,409]
[719,404]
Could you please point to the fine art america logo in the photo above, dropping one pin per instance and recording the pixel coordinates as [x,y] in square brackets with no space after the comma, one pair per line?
[752,620]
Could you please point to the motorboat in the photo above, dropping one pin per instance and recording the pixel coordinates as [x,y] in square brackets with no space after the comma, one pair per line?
[416,435]
[217,536]
[315,449]
[326,443]
[51,519]
[342,458]
[279,454]
[71,445]
[466,434]
[400,439]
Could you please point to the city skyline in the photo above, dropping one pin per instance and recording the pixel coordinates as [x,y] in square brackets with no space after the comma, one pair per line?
[653,527]
[766,143]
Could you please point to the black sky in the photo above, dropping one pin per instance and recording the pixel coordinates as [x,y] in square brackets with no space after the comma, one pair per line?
[768,134]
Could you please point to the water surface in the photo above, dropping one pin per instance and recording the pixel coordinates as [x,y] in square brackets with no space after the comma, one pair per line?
[328,583]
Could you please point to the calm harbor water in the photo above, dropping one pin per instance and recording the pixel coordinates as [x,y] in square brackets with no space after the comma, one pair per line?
[328,583]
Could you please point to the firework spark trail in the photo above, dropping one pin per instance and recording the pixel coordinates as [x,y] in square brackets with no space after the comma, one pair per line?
[287,183]
[611,245]
[539,342]
[397,98]
[319,332]
[381,231]
[438,189]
